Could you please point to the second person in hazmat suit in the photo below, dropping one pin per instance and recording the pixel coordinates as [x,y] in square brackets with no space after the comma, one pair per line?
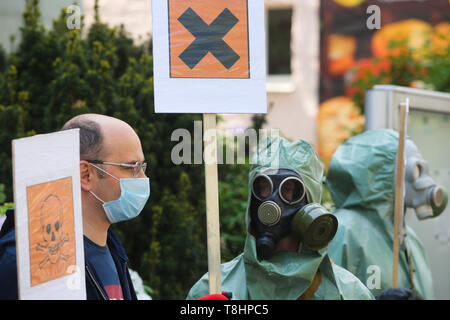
[361,181]
[285,254]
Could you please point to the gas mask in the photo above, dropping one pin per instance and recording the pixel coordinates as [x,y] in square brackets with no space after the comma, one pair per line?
[421,192]
[279,207]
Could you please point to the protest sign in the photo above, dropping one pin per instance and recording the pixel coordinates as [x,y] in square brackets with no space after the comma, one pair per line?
[209,57]
[48,221]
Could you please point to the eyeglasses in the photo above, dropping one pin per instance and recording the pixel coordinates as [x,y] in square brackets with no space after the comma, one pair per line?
[137,167]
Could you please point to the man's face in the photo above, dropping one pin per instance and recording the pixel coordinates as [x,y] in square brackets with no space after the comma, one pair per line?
[120,145]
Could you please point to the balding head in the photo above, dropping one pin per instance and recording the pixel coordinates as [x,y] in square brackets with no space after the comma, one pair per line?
[96,131]
[91,136]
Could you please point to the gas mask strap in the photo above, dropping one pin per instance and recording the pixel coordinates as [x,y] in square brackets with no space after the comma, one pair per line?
[403,235]
[408,256]
[410,265]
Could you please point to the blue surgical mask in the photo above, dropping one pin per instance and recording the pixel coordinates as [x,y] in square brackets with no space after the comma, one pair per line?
[134,193]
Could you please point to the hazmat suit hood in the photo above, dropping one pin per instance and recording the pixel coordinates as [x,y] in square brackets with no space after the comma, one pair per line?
[361,182]
[298,156]
[286,275]
[284,268]
[361,175]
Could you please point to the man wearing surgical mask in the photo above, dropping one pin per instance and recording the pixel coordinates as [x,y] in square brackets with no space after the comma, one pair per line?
[114,188]
[361,181]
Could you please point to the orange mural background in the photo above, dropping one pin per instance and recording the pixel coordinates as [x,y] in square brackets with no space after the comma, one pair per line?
[209,66]
[51,229]
[351,52]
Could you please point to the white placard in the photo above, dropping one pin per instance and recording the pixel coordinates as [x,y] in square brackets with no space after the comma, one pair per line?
[48,221]
[209,56]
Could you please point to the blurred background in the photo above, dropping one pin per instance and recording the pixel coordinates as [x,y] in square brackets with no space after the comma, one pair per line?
[322,57]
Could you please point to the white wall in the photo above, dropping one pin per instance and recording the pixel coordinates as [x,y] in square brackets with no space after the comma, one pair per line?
[135,15]
[11,17]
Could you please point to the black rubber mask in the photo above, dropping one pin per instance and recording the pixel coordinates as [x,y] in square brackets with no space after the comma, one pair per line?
[277,195]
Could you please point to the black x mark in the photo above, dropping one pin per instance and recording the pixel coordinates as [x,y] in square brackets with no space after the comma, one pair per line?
[208,38]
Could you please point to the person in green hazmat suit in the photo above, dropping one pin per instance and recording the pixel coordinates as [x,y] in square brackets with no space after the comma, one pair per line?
[285,255]
[361,182]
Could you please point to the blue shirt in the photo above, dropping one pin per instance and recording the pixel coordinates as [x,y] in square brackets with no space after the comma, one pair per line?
[103,263]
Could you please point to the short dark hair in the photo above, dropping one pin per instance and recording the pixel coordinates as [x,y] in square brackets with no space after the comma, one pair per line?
[91,137]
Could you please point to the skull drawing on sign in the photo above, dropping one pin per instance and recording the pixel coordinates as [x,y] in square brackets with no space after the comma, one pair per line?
[51,217]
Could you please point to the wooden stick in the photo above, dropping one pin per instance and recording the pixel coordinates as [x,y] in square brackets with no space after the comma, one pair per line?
[212,203]
[399,190]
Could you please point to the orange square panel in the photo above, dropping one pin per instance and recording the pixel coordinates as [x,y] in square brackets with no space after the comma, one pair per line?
[51,229]
[208,39]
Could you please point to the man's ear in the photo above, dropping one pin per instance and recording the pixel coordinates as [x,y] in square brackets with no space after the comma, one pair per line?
[86,175]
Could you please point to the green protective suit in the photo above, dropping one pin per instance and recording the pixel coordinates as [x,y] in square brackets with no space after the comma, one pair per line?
[287,275]
[361,180]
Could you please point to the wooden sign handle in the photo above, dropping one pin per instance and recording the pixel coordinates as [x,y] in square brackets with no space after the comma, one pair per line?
[212,203]
[399,190]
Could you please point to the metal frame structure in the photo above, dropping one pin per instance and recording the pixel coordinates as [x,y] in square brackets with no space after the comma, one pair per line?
[382,111]
[383,102]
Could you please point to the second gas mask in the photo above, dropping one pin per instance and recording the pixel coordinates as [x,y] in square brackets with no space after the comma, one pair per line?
[279,206]
[421,192]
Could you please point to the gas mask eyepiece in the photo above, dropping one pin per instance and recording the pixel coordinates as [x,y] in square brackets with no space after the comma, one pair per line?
[291,190]
[422,194]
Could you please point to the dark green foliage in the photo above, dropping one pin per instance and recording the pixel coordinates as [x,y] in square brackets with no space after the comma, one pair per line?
[2,59]
[233,195]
